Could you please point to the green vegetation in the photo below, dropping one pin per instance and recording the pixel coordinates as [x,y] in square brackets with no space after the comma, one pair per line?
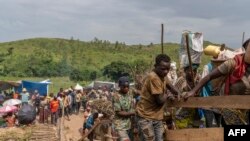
[78,60]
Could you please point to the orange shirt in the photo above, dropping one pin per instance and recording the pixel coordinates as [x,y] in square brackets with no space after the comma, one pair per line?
[15,96]
[54,105]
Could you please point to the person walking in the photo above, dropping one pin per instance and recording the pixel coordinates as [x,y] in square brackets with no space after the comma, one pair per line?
[54,106]
[124,110]
[25,96]
[78,101]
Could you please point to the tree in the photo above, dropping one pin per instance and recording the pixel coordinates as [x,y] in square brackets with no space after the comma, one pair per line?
[139,67]
[115,70]
[10,51]
[93,75]
[82,75]
[40,63]
[63,68]
[76,75]
[4,55]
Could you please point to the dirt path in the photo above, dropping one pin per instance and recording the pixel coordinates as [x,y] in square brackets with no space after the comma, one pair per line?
[73,128]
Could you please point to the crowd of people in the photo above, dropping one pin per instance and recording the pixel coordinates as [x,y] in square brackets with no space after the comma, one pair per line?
[53,106]
[157,89]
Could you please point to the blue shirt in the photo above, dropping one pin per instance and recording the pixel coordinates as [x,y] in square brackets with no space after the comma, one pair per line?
[25,97]
[89,122]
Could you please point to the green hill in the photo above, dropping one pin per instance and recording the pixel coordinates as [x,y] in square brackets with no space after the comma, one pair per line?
[53,57]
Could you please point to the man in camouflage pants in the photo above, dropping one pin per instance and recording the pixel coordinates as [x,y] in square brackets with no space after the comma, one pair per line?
[150,107]
[123,107]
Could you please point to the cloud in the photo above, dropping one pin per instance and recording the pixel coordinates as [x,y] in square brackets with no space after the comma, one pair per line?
[129,21]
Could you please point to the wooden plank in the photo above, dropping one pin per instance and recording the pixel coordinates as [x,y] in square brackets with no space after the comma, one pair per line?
[195,134]
[232,101]
[93,127]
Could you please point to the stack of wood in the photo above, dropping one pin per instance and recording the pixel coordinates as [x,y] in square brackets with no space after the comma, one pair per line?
[44,133]
[103,106]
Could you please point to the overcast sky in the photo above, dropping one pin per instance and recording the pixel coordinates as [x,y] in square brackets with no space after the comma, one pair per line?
[129,21]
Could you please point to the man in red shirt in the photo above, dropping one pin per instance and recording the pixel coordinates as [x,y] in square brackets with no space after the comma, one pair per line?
[15,95]
[54,105]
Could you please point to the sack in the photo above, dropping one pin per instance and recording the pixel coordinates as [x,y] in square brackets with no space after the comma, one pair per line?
[26,114]
[195,48]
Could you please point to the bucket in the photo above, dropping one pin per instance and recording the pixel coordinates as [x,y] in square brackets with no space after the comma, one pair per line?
[212,50]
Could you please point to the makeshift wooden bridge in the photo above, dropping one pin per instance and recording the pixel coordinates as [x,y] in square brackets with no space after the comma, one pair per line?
[206,134]
[44,133]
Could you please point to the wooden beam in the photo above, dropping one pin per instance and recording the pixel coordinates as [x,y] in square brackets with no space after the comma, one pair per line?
[195,134]
[93,128]
[232,101]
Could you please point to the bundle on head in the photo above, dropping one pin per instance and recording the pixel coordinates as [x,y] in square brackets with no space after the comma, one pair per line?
[103,106]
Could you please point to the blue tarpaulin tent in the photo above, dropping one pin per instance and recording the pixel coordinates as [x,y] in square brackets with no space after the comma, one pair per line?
[41,87]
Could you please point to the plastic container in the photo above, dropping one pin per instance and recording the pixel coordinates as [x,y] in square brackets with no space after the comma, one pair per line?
[212,50]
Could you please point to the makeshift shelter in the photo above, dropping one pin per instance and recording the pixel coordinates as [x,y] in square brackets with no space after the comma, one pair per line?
[97,84]
[78,87]
[42,87]
[195,48]
[5,85]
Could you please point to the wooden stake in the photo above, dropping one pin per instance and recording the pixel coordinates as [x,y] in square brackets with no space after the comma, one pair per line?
[243,37]
[189,59]
[162,31]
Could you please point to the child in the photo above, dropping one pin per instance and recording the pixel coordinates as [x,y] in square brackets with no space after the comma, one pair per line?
[10,120]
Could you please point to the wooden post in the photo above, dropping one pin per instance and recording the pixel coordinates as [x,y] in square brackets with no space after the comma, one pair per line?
[162,31]
[222,47]
[61,127]
[189,59]
[243,37]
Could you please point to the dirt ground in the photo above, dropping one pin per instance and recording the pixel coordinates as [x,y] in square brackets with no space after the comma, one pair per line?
[73,128]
